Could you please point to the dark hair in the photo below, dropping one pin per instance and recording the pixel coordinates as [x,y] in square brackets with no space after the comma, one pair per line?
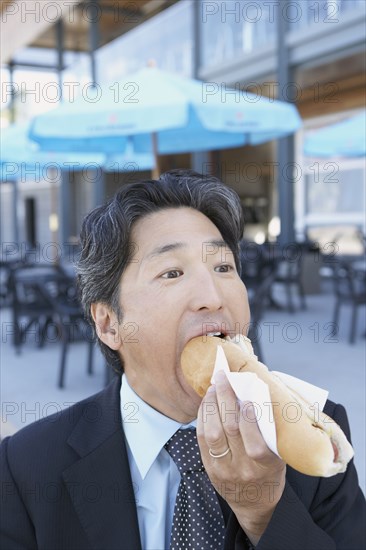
[106,247]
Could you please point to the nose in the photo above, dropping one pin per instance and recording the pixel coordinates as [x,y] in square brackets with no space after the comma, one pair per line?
[206,293]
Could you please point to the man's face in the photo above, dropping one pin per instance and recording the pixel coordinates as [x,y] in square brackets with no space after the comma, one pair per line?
[181,283]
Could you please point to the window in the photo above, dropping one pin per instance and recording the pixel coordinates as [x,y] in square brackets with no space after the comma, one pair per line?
[332,190]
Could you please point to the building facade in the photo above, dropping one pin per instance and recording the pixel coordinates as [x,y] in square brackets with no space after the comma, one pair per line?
[311,53]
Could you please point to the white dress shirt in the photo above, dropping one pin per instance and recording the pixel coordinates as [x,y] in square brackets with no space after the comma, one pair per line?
[155,476]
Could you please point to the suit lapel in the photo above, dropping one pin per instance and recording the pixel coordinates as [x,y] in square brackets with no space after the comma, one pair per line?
[99,484]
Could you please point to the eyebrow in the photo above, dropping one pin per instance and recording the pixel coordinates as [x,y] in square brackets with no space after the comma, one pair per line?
[159,250]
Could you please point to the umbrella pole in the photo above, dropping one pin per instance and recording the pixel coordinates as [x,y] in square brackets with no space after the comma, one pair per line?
[155,172]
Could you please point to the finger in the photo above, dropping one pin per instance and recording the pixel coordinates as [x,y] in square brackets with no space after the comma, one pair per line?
[210,432]
[254,443]
[229,411]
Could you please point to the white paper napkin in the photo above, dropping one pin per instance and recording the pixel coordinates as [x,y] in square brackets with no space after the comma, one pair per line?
[248,387]
[312,394]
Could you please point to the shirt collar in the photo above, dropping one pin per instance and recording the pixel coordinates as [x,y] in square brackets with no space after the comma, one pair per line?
[146,429]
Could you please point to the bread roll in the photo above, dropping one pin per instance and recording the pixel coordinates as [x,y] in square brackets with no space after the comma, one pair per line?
[312,444]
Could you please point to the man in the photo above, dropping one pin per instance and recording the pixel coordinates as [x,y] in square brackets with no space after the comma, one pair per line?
[159,265]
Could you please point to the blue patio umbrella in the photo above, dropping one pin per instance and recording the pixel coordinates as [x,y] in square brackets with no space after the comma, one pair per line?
[344,139]
[22,158]
[5,176]
[162,113]
[129,162]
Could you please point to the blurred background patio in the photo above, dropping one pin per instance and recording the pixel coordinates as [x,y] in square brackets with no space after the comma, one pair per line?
[303,195]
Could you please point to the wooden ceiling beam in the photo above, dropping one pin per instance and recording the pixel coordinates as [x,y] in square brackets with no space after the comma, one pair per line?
[31,23]
[22,22]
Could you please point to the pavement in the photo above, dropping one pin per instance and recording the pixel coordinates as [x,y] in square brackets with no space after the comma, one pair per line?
[300,344]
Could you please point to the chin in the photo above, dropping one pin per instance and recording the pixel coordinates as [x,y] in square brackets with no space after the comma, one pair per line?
[191,400]
[188,404]
[194,404]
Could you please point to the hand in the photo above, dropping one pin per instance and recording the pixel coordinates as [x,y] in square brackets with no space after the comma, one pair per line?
[251,478]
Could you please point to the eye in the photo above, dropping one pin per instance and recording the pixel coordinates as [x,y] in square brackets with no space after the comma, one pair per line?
[172,274]
[224,268]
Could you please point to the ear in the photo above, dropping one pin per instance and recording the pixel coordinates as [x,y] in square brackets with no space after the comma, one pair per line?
[106,325]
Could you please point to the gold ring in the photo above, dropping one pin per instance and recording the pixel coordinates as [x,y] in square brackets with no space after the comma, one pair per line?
[219,456]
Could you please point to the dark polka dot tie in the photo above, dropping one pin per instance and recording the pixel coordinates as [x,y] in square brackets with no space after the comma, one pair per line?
[198,522]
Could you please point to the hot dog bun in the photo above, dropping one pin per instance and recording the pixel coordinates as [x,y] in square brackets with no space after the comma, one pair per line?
[313,444]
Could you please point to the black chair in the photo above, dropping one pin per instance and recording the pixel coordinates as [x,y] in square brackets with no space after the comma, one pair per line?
[4,285]
[289,274]
[258,270]
[69,319]
[30,308]
[7,267]
[349,288]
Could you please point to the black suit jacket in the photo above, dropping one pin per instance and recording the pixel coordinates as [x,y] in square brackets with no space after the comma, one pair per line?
[66,484]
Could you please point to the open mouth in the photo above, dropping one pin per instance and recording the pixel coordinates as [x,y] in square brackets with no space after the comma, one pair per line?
[216,334]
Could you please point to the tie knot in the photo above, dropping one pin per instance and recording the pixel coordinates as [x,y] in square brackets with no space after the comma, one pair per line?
[184,450]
